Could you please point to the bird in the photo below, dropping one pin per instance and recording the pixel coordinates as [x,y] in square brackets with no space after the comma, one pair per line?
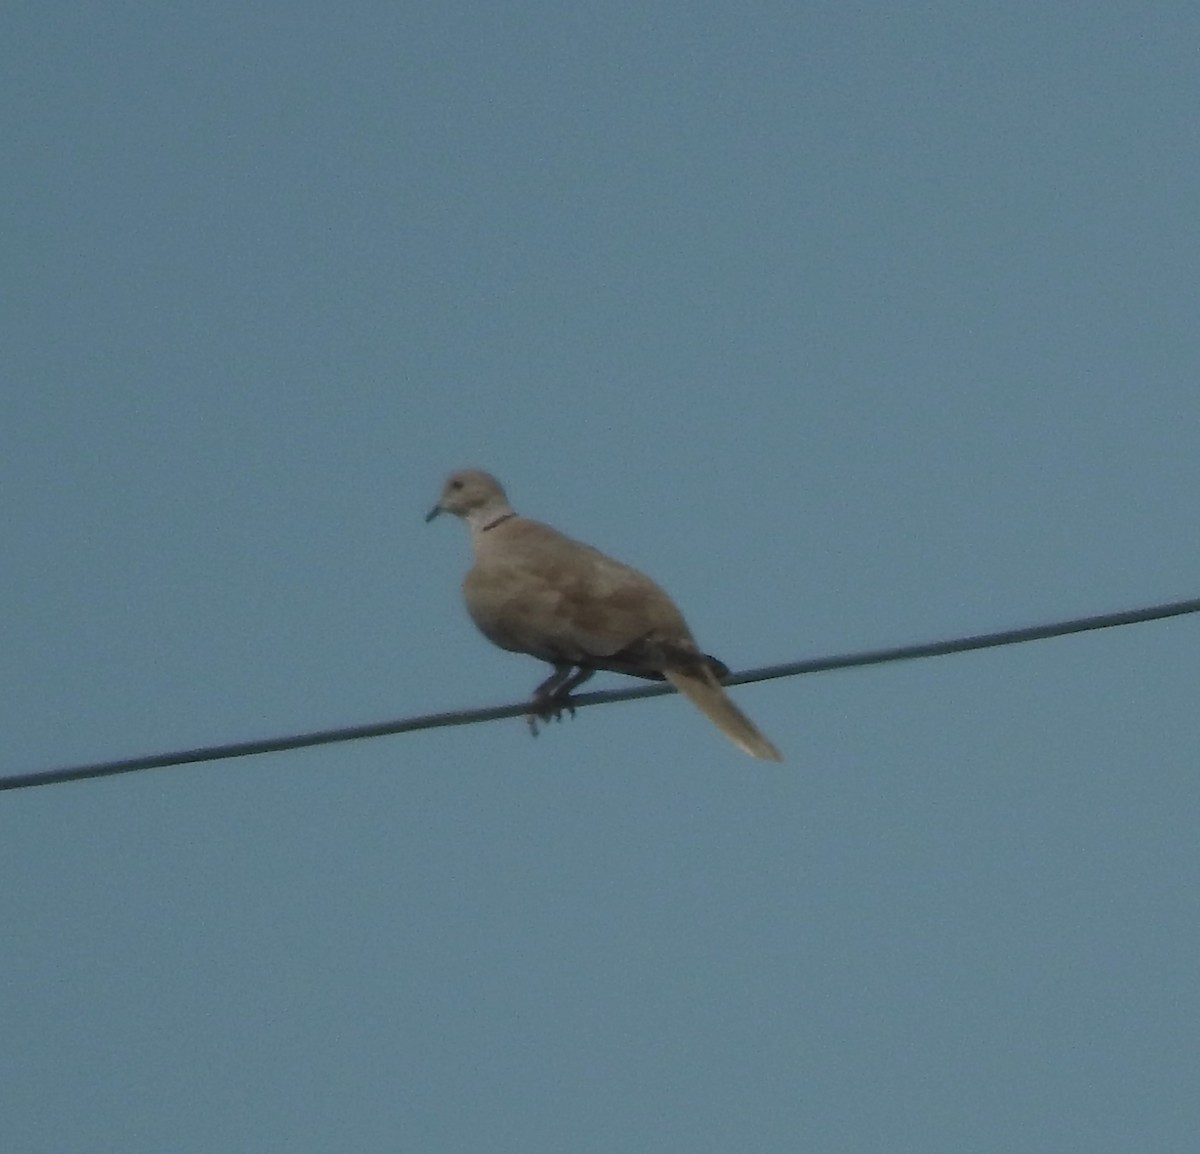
[536,591]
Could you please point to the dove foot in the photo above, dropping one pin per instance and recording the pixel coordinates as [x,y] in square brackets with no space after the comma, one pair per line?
[546,709]
[552,698]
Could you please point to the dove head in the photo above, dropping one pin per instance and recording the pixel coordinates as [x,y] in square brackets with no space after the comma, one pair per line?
[475,496]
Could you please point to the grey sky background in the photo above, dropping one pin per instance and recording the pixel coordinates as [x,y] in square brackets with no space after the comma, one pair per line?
[852,324]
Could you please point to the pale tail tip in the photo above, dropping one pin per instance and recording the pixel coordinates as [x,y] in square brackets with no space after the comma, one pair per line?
[763,750]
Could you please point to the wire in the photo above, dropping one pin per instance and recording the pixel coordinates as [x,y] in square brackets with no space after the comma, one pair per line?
[582,700]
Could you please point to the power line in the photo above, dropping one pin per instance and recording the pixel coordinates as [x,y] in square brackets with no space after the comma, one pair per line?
[582,700]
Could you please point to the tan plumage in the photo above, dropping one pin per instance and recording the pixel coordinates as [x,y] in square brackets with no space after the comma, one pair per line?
[534,590]
[704,691]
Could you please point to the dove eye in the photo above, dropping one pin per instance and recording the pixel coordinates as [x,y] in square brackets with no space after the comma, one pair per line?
[456,484]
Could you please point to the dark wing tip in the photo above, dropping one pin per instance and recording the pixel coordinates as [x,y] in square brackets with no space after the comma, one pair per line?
[719,669]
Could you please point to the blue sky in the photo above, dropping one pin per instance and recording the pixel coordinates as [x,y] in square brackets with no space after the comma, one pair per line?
[853,325]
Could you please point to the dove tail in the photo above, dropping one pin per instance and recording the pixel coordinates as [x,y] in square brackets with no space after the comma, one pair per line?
[703,690]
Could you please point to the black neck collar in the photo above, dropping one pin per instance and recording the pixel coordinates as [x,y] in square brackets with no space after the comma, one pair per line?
[498,521]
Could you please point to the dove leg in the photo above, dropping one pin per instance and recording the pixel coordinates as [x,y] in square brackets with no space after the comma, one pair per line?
[553,695]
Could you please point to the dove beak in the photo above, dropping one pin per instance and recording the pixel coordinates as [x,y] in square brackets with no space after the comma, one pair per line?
[432,513]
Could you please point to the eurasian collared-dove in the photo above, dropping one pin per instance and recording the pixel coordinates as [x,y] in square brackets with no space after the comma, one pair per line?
[533,590]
